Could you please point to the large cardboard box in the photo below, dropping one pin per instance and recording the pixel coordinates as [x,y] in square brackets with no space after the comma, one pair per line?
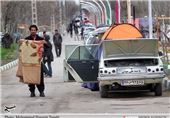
[31,52]
[31,73]
[19,70]
[29,67]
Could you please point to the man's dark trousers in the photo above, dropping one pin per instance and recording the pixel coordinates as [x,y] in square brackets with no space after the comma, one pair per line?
[58,49]
[41,86]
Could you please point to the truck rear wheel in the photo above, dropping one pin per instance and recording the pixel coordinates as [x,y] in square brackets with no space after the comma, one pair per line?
[104,91]
[158,89]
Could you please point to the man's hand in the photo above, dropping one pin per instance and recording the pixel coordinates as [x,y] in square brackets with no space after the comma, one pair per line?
[33,45]
[40,42]
[21,41]
[44,42]
[46,58]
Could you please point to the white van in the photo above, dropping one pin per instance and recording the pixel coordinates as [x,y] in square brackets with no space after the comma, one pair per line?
[116,65]
[130,65]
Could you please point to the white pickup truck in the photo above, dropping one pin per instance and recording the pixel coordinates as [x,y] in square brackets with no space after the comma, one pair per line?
[117,66]
[130,65]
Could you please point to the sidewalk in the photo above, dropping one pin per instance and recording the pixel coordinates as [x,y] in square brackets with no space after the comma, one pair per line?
[57,64]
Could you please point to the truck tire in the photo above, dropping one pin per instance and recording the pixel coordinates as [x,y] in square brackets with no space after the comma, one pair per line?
[104,91]
[158,89]
[152,87]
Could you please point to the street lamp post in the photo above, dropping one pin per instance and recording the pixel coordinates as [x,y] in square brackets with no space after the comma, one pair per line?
[95,8]
[150,19]
[105,10]
[110,12]
[117,11]
[102,11]
[129,10]
[34,12]
[60,15]
[163,22]
[52,23]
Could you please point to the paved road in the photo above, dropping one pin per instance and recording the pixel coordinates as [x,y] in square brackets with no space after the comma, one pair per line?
[70,97]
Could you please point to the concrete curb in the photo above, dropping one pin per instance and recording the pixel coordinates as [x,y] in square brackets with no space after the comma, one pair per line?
[9,65]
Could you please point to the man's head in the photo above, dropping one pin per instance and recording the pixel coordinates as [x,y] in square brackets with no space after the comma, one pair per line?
[33,29]
[56,31]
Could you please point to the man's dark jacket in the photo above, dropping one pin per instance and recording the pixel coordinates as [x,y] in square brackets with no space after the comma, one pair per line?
[38,38]
[48,49]
[57,39]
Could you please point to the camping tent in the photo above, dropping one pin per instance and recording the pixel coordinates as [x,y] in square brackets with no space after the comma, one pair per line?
[122,31]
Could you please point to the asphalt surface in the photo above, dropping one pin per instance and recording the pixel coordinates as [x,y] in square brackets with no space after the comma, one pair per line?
[70,97]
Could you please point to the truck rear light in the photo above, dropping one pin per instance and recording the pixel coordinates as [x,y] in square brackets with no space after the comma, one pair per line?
[162,69]
[101,71]
[113,71]
[157,69]
[105,71]
[149,70]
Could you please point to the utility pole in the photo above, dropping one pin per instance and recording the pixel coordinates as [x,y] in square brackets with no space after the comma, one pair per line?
[60,15]
[110,12]
[117,11]
[34,12]
[134,15]
[64,16]
[150,19]
[129,10]
[52,23]
[64,11]
[81,15]
[105,12]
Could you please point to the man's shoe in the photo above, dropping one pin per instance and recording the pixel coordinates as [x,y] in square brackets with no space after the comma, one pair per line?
[32,94]
[42,94]
[45,75]
[48,76]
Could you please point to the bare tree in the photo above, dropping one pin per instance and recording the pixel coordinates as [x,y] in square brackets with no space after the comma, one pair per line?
[13,14]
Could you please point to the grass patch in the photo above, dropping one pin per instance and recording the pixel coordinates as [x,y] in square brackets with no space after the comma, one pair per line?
[9,54]
[168,51]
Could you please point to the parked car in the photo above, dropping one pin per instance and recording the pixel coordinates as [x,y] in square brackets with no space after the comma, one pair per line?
[1,35]
[87,30]
[131,65]
[95,35]
[123,61]
[118,66]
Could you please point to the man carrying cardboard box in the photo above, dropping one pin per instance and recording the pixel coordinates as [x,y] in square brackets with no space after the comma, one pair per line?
[31,71]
